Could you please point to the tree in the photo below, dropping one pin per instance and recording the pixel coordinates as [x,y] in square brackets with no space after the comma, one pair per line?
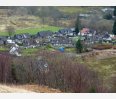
[114,11]
[79,46]
[10,30]
[107,16]
[114,28]
[77,25]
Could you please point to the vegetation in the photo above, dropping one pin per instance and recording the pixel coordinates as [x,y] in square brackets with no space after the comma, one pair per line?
[33,30]
[107,16]
[10,30]
[3,49]
[62,72]
[77,25]
[102,46]
[29,51]
[114,28]
[114,11]
[5,68]
[79,46]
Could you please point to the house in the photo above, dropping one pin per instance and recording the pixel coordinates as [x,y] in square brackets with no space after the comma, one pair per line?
[84,15]
[19,38]
[84,31]
[107,9]
[106,37]
[45,34]
[61,41]
[3,40]
[22,36]
[69,32]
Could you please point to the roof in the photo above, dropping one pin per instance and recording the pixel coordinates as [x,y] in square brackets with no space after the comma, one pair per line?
[66,30]
[45,33]
[85,30]
[3,37]
[22,36]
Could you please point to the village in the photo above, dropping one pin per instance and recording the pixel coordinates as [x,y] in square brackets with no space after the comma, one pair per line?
[63,38]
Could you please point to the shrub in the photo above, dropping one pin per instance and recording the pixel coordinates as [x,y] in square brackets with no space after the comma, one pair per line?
[107,16]
[114,47]
[62,72]
[5,68]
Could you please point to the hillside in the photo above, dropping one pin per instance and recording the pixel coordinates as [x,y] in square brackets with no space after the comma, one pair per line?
[40,17]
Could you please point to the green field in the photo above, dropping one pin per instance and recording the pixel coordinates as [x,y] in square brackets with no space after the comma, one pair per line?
[73,10]
[3,49]
[33,30]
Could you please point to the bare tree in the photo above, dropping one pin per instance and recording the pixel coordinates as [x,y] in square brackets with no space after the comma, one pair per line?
[10,30]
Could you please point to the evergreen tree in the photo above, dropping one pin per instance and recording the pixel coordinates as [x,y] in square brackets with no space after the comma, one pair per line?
[79,46]
[77,25]
[114,28]
[114,11]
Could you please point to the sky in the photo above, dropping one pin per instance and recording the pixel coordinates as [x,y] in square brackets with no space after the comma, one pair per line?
[57,2]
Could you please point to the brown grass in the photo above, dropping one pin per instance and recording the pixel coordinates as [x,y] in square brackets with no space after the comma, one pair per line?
[38,88]
[102,46]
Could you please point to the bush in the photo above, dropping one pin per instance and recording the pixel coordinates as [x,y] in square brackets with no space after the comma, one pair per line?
[62,72]
[5,68]
[114,47]
[107,16]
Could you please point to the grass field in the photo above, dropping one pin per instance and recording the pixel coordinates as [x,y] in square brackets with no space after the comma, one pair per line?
[3,49]
[105,67]
[73,10]
[29,51]
[33,30]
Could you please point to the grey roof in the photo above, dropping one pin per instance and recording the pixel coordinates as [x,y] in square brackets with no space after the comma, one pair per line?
[44,33]
[65,31]
[22,36]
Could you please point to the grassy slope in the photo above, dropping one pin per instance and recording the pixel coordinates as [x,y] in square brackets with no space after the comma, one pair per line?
[33,30]
[78,9]
[105,67]
[71,10]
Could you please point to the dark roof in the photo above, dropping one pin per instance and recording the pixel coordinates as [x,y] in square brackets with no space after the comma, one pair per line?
[22,36]
[66,31]
[45,33]
[60,41]
[106,35]
[3,37]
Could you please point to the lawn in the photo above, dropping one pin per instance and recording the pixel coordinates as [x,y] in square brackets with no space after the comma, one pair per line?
[33,30]
[3,49]
[29,51]
[33,51]
[72,10]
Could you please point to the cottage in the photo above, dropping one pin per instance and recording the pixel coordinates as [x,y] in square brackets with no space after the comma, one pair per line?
[45,34]
[69,32]
[61,41]
[3,40]
[84,15]
[22,36]
[84,31]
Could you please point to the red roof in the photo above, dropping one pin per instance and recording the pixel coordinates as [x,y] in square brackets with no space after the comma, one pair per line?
[84,30]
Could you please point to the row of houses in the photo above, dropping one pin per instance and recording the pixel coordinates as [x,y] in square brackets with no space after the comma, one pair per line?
[63,37]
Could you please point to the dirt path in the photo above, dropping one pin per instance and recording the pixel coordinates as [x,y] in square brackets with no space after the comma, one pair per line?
[12,89]
[27,89]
